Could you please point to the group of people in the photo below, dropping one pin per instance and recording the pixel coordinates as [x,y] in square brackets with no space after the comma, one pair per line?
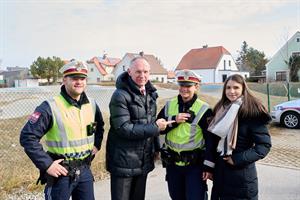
[220,144]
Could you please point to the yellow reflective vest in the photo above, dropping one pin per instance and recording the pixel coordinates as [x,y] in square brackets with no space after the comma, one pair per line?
[68,134]
[186,136]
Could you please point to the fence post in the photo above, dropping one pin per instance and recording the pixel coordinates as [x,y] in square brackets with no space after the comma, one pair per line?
[268,93]
[288,91]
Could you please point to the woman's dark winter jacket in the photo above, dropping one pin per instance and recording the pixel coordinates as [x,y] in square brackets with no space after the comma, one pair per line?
[239,181]
[132,138]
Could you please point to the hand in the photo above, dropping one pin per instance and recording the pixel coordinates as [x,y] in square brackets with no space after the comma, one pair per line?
[162,123]
[95,150]
[229,160]
[57,169]
[207,175]
[182,117]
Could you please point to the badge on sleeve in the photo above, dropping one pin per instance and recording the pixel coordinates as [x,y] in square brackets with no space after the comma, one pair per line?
[34,117]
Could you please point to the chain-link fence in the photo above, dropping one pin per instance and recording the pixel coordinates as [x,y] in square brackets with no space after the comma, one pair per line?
[16,104]
[278,92]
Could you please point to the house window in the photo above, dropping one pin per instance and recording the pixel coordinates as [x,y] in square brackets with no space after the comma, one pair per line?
[224,77]
[296,54]
[162,79]
[298,39]
[124,68]
[157,78]
[229,63]
[224,64]
[98,80]
[281,76]
[92,69]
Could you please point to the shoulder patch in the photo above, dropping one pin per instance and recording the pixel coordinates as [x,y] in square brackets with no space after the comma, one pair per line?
[33,118]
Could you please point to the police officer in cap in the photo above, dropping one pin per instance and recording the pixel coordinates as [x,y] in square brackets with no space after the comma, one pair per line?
[188,151]
[72,126]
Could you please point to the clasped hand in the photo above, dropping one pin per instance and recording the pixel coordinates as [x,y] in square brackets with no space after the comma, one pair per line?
[182,117]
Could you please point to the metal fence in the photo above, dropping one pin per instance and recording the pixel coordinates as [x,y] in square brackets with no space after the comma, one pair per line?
[277,92]
[17,104]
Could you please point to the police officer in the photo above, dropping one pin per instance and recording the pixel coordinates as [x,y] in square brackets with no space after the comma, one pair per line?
[188,152]
[72,126]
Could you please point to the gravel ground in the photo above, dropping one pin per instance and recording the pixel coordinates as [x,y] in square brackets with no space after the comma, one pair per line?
[285,151]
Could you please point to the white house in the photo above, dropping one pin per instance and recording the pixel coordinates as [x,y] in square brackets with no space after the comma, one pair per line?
[157,72]
[213,64]
[27,83]
[277,68]
[101,69]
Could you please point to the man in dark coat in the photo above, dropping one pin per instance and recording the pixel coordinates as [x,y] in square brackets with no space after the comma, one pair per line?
[132,141]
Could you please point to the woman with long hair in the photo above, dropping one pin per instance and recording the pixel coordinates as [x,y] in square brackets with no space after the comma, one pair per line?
[240,121]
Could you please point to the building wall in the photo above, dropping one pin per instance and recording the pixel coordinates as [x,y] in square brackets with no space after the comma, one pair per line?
[158,78]
[278,61]
[27,83]
[122,66]
[207,75]
[94,75]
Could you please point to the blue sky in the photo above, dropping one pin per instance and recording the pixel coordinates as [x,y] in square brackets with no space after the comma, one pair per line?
[168,29]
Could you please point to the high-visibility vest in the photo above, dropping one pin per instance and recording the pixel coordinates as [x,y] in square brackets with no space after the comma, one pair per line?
[186,136]
[68,135]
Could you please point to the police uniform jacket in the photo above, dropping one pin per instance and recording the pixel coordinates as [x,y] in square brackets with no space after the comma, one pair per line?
[209,138]
[132,140]
[37,127]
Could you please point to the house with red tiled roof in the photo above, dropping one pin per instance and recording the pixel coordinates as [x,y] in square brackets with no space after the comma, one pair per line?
[157,72]
[171,77]
[213,64]
[101,68]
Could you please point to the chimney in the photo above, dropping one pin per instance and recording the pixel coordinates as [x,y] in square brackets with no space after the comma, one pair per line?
[205,46]
[141,53]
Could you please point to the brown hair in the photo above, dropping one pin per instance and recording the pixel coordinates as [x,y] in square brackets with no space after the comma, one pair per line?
[251,106]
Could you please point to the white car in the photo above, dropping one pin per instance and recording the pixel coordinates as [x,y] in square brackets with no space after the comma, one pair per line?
[287,114]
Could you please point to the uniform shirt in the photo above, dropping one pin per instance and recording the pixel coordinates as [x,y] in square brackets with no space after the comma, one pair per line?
[40,123]
[209,138]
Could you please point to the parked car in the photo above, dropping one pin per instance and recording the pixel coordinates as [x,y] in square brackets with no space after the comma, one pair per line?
[287,114]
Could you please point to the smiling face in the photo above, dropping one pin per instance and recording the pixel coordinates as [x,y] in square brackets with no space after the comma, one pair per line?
[233,90]
[74,86]
[187,92]
[139,71]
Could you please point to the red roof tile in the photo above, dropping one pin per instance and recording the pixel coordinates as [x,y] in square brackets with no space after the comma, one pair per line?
[156,67]
[203,58]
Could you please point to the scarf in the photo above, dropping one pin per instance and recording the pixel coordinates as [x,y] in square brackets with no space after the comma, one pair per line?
[225,125]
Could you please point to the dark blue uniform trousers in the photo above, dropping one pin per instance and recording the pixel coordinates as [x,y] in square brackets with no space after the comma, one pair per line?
[185,183]
[81,188]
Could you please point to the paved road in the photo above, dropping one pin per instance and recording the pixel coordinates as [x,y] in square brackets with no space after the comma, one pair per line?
[275,183]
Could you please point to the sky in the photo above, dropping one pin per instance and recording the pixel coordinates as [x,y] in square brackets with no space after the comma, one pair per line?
[168,29]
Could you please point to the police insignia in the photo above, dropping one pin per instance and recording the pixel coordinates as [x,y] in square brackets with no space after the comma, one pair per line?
[34,117]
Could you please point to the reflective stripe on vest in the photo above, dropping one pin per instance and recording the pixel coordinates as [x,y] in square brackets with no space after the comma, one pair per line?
[192,129]
[72,143]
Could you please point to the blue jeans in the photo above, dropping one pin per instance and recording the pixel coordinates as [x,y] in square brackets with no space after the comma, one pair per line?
[185,183]
[64,187]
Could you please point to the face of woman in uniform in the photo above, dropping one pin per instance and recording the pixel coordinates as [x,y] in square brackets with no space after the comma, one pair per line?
[233,90]
[187,92]
[75,86]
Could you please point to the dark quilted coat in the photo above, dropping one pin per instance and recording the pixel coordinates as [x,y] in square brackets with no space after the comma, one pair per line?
[132,138]
[239,182]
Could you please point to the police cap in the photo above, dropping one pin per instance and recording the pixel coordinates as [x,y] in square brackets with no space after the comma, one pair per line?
[74,68]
